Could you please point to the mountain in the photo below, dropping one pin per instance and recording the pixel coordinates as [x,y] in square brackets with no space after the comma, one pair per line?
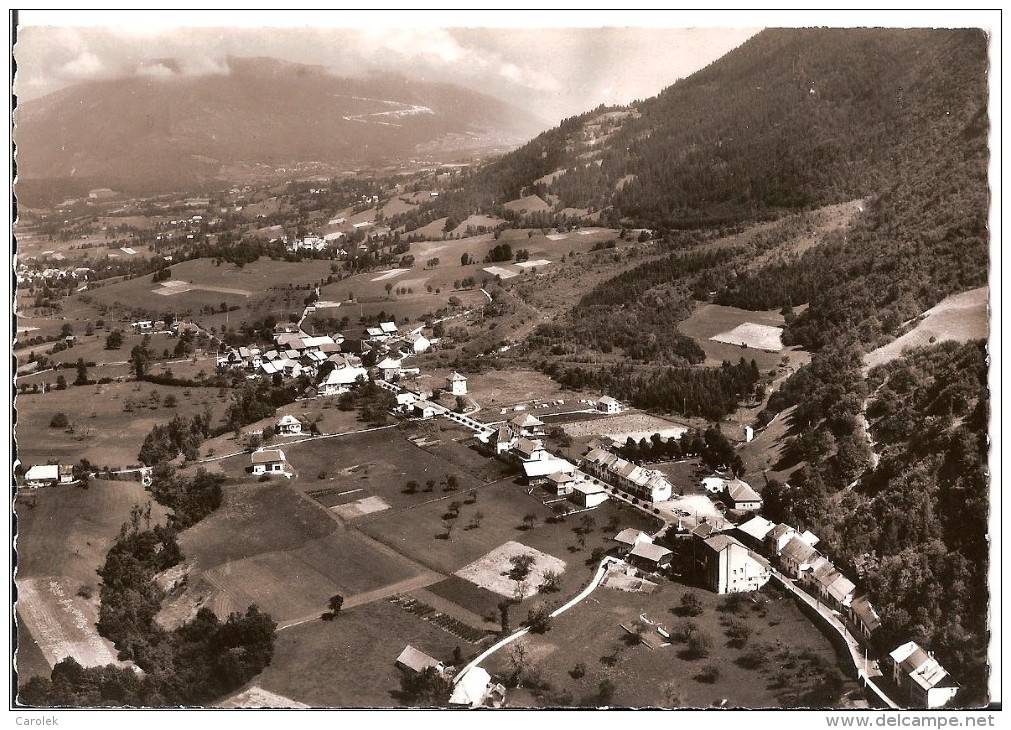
[792,118]
[160,132]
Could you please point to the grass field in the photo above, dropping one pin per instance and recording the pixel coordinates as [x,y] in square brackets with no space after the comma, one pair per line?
[349,662]
[64,538]
[787,645]
[104,432]
[961,317]
[709,320]
[620,427]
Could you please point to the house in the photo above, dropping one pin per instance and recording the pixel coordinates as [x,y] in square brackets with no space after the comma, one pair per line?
[144,325]
[738,494]
[727,566]
[863,615]
[526,425]
[648,485]
[505,439]
[389,328]
[797,557]
[705,530]
[922,680]
[834,588]
[537,471]
[288,425]
[753,532]
[648,556]
[419,343]
[43,475]
[475,689]
[425,409]
[66,474]
[390,368]
[340,380]
[415,661]
[587,494]
[608,405]
[270,461]
[561,483]
[777,538]
[457,384]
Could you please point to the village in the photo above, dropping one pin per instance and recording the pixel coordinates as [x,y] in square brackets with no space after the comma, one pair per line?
[707,528]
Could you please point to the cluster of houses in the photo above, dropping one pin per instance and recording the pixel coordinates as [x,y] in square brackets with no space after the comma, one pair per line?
[646,484]
[918,675]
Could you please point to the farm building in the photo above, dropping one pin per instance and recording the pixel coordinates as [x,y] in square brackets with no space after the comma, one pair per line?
[416,661]
[647,485]
[922,679]
[288,425]
[739,495]
[608,405]
[726,566]
[270,461]
[457,384]
[648,556]
[630,537]
[48,475]
[587,494]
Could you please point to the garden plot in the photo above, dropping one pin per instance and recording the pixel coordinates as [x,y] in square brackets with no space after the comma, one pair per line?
[492,571]
[499,271]
[757,336]
[62,623]
[531,264]
[360,507]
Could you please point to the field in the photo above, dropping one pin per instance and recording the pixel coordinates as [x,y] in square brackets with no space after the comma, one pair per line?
[753,336]
[497,389]
[104,432]
[491,571]
[270,546]
[62,540]
[621,426]
[710,321]
[784,648]
[961,317]
[349,662]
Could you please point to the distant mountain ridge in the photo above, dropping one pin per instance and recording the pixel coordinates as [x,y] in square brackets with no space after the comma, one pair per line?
[150,132]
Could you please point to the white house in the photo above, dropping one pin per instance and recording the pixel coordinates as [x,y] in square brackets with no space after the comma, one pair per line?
[646,484]
[457,384]
[340,380]
[608,405]
[288,425]
[270,461]
[739,495]
[729,567]
[425,409]
[922,679]
[475,688]
[390,367]
[587,494]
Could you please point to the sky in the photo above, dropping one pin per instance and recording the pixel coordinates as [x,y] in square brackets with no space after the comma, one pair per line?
[554,72]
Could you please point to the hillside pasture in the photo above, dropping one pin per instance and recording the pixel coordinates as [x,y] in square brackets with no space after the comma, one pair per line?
[711,321]
[349,662]
[961,317]
[103,430]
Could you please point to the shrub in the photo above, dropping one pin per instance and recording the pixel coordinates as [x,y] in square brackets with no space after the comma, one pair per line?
[691,605]
[709,674]
[60,420]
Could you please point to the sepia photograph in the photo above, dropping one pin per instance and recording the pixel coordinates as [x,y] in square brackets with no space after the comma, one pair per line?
[504,360]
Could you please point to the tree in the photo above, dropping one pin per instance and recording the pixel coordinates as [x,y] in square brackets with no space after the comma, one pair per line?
[61,383]
[521,566]
[334,606]
[550,582]
[60,420]
[82,372]
[452,483]
[691,605]
[529,519]
[114,341]
[139,359]
[475,520]
[605,692]
[539,619]
[427,688]
[699,645]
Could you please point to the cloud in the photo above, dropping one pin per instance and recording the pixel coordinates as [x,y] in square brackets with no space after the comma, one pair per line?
[84,66]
